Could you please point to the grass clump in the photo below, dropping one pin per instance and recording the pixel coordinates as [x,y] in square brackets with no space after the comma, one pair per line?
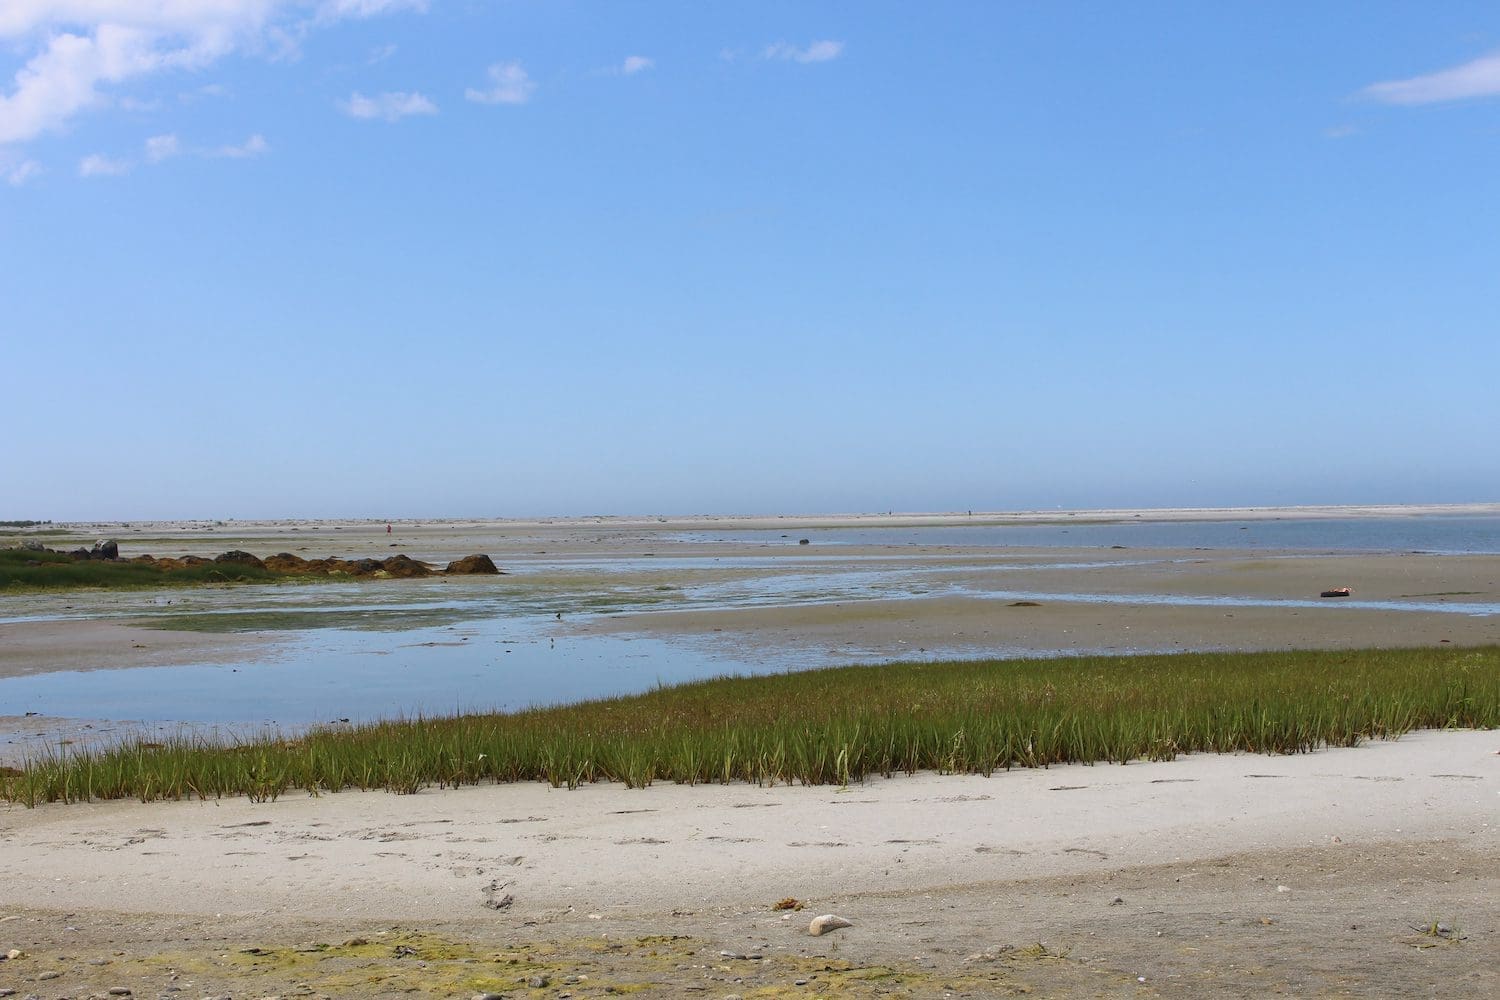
[832,726]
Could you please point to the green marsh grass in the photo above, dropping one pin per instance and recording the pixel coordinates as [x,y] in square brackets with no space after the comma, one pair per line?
[832,726]
[27,569]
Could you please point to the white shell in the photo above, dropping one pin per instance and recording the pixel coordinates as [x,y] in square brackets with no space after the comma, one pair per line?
[827,922]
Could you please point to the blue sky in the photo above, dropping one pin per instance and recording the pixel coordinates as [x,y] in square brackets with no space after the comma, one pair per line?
[370,257]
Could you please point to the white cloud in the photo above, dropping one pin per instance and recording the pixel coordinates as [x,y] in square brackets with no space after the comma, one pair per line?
[381,53]
[1340,131]
[256,145]
[76,51]
[97,165]
[637,64]
[1476,78]
[162,147]
[22,172]
[392,106]
[509,84]
[816,52]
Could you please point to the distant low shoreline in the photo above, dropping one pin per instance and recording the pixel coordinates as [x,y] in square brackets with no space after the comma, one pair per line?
[813,520]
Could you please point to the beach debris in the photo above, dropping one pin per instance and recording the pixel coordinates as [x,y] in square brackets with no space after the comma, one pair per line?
[789,903]
[1337,592]
[495,896]
[804,541]
[827,922]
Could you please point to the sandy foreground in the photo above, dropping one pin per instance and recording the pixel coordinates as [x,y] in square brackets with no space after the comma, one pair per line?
[1372,871]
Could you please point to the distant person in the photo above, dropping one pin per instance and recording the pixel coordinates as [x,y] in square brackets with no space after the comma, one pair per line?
[387,529]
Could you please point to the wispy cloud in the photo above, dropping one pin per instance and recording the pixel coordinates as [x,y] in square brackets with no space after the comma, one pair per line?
[256,145]
[816,52]
[1476,78]
[637,64]
[98,165]
[509,84]
[19,173]
[381,53]
[392,106]
[77,52]
[334,10]
[162,147]
[1340,131]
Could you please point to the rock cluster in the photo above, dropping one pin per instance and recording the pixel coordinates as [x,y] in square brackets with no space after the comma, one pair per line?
[398,566]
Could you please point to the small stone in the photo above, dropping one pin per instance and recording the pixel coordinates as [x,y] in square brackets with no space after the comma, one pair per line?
[539,981]
[1117,901]
[489,996]
[1282,888]
[119,991]
[827,922]
[49,974]
[14,954]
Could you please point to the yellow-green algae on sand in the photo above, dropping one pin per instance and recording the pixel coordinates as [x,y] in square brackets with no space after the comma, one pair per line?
[407,963]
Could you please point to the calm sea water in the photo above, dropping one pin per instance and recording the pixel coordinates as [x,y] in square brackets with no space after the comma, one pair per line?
[361,652]
[1445,534]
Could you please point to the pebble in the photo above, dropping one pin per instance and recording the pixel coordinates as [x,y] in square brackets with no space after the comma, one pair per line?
[14,954]
[119,991]
[539,981]
[489,996]
[49,974]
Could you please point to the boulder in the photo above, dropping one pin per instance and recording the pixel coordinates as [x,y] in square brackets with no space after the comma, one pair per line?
[105,548]
[405,567]
[478,563]
[237,557]
[285,562]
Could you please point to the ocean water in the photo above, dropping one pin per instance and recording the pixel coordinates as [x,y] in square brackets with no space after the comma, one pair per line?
[1442,534]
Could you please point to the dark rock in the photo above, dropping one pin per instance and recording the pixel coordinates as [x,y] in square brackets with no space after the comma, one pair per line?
[365,567]
[285,562]
[474,564]
[81,554]
[405,567]
[236,557]
[105,548]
